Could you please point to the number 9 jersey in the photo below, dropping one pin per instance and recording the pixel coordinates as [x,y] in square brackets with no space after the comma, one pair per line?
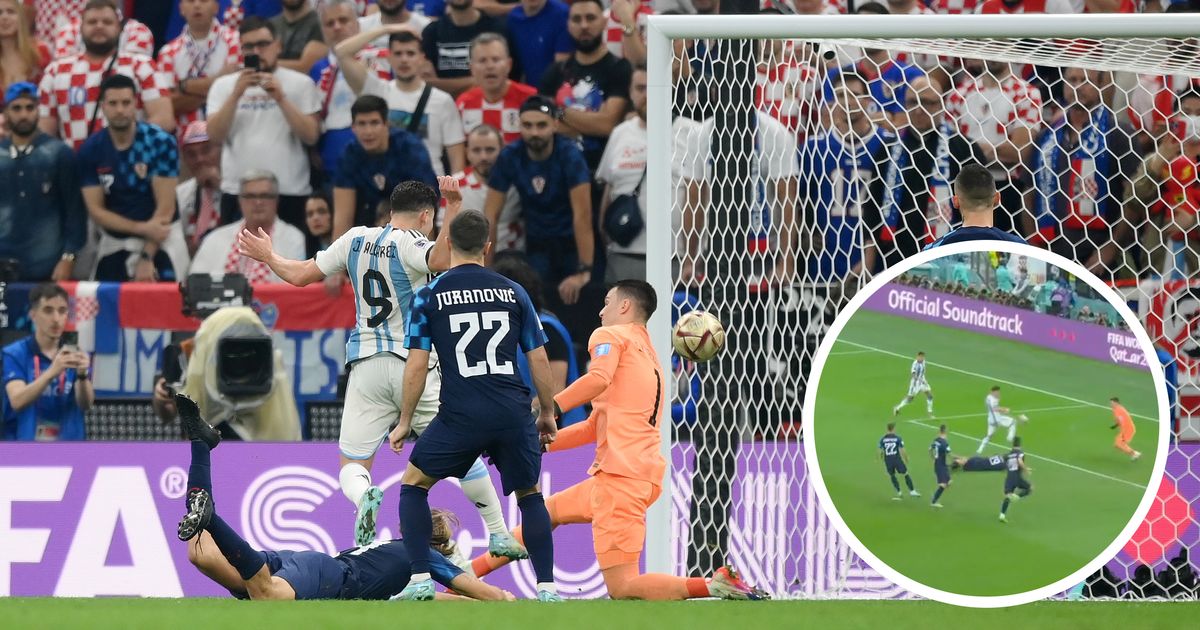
[477,321]
[386,266]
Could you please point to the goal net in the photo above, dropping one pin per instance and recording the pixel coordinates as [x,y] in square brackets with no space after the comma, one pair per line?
[801,155]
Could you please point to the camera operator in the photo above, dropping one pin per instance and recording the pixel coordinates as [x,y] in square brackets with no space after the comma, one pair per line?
[46,382]
[268,414]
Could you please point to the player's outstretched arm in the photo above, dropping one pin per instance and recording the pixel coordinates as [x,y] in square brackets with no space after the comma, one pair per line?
[416,368]
[294,272]
[575,436]
[606,356]
[439,255]
[474,588]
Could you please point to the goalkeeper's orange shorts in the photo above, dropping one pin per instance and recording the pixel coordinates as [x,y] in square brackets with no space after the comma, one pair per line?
[616,507]
[1125,437]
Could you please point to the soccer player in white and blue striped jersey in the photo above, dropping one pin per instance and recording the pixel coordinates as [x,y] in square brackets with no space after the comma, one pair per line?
[387,264]
[997,416]
[917,383]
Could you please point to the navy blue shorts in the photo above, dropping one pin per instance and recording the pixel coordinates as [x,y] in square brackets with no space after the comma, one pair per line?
[446,451]
[897,466]
[1011,485]
[312,574]
[943,473]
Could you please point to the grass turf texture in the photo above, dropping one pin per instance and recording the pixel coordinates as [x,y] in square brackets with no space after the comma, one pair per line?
[1072,515]
[98,614]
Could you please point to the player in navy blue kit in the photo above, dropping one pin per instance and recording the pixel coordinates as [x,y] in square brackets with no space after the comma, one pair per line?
[977,463]
[1015,483]
[891,450]
[477,320]
[375,571]
[939,451]
[976,197]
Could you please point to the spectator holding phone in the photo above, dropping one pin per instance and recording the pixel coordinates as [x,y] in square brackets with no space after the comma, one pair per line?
[47,386]
[263,117]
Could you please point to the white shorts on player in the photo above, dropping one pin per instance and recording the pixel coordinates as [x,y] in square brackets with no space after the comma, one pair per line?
[919,387]
[1004,422]
[373,404]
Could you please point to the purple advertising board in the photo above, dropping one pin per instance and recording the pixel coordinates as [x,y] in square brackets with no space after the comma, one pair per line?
[98,519]
[1055,333]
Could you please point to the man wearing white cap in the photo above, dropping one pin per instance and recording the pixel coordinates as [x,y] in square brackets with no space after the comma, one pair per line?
[199,198]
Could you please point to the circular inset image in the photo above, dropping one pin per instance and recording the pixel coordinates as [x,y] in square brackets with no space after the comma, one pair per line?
[987,425]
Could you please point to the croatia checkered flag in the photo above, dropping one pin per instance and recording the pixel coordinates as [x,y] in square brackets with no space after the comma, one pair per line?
[82,315]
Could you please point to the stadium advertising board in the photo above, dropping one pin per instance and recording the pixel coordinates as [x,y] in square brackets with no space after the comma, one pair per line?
[1055,333]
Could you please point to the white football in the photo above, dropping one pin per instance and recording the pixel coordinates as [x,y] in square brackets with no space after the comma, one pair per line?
[698,336]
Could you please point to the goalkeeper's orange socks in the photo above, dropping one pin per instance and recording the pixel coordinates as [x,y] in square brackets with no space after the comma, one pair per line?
[662,587]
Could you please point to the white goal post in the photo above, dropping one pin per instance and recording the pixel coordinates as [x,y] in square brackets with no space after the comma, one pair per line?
[1131,43]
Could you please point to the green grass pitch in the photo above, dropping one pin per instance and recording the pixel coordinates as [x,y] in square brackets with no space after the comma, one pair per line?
[100,614]
[1084,490]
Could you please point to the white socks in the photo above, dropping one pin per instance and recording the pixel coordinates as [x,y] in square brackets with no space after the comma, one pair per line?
[478,487]
[354,479]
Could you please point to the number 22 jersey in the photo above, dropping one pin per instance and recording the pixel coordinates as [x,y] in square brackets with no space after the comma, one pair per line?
[386,266]
[478,321]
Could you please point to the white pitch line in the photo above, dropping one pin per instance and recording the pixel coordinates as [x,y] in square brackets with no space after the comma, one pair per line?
[1043,458]
[845,352]
[984,415]
[992,378]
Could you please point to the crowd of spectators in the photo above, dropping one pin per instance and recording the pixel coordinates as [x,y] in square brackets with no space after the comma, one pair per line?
[282,86]
[138,137]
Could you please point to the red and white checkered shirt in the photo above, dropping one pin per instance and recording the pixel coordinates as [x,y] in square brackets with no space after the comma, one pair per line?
[47,12]
[185,58]
[613,33]
[787,91]
[504,115]
[985,113]
[71,87]
[135,39]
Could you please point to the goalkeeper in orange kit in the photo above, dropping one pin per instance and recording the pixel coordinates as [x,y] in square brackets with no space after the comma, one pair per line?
[1126,429]
[626,389]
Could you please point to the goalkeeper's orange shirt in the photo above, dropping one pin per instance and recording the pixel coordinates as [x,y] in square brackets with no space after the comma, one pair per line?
[625,414]
[1124,422]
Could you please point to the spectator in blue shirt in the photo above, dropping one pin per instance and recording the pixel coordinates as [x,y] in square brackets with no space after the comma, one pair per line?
[538,29]
[128,172]
[377,160]
[553,182]
[46,384]
[887,80]
[42,221]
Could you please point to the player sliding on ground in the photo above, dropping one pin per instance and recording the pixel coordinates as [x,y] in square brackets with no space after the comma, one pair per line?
[376,571]
[386,265]
[1015,483]
[917,384]
[478,320]
[1127,430]
[626,389]
[895,460]
[977,463]
[998,417]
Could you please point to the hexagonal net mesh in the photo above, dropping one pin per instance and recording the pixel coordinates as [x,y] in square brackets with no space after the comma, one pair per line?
[802,167]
